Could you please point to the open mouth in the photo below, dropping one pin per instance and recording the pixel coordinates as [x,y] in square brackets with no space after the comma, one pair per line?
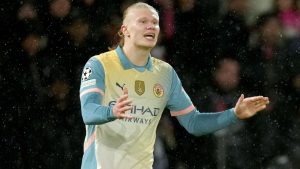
[149,36]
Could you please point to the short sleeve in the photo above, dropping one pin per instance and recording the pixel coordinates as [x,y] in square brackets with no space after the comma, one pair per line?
[179,102]
[92,78]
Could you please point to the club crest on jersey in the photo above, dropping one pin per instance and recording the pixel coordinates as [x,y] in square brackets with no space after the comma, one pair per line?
[87,72]
[158,90]
[139,87]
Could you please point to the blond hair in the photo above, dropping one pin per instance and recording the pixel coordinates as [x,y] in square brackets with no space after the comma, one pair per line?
[138,5]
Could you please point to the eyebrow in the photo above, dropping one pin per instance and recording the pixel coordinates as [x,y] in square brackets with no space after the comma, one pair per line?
[152,19]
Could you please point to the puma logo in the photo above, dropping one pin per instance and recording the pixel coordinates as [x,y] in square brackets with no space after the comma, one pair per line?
[122,87]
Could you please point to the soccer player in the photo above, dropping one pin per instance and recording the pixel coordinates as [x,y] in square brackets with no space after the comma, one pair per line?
[124,92]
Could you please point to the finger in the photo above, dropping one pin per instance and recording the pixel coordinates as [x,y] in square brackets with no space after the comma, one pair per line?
[122,98]
[119,105]
[259,104]
[125,108]
[260,108]
[255,98]
[124,103]
[266,99]
[125,90]
[262,101]
[125,116]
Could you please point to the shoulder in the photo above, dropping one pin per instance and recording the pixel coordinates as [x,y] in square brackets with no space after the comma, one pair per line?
[101,59]
[161,65]
[107,56]
[92,61]
[95,62]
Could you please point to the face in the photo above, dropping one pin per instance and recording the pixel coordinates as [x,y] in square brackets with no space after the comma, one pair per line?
[228,75]
[271,30]
[141,27]
[60,8]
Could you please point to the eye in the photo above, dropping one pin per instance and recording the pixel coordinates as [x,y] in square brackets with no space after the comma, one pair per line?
[142,21]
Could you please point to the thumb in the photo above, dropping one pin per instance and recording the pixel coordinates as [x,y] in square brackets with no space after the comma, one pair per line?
[240,99]
[238,102]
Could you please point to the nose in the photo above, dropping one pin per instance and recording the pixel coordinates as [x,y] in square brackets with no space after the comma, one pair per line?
[150,26]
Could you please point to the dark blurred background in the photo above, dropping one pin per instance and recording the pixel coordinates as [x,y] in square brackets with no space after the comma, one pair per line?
[220,49]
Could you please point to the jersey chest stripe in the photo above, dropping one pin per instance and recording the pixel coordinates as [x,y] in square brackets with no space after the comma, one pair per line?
[96,90]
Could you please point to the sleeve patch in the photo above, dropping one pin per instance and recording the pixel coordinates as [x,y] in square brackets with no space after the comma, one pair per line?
[87,72]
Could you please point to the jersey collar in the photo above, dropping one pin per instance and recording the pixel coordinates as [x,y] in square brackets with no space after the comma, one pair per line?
[128,65]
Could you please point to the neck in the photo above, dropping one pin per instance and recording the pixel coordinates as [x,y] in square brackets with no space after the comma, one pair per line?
[137,55]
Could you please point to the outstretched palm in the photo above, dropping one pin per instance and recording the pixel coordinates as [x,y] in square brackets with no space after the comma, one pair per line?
[248,107]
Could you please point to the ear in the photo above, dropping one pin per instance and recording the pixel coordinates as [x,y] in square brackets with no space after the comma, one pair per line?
[124,31]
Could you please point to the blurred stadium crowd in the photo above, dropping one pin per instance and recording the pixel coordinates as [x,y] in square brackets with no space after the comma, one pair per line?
[220,49]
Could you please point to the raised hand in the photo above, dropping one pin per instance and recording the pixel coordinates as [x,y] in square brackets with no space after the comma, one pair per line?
[248,107]
[122,105]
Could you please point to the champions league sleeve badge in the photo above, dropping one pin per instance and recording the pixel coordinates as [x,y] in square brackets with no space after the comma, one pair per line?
[87,72]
